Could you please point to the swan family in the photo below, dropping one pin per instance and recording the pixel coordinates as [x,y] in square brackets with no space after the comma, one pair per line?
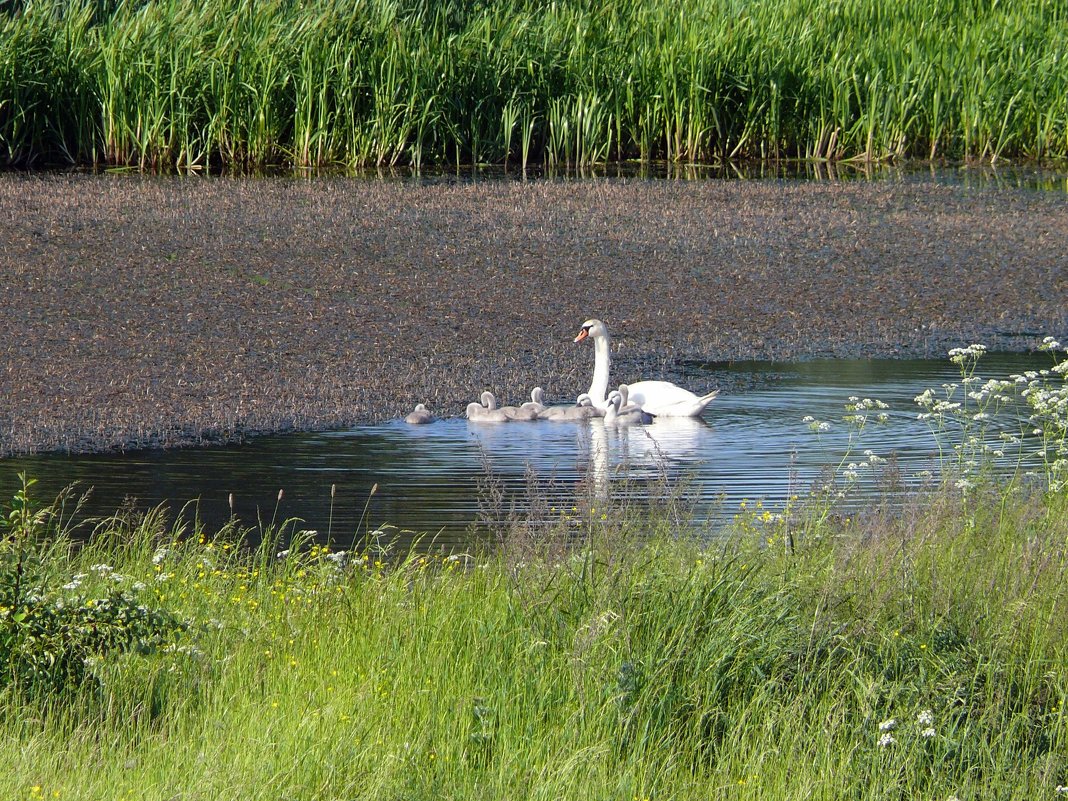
[639,403]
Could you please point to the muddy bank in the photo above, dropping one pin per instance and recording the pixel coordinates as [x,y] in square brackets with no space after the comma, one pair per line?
[141,311]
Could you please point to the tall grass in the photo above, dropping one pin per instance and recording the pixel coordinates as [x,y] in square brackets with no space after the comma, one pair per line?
[893,657]
[236,84]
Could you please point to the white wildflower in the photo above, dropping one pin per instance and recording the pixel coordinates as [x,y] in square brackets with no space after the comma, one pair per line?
[888,725]
[102,569]
[928,733]
[159,555]
[75,582]
[961,355]
[886,740]
[925,718]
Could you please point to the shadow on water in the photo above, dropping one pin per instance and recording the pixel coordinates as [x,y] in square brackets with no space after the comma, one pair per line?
[430,479]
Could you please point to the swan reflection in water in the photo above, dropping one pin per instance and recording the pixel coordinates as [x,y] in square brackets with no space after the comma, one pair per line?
[591,451]
[640,452]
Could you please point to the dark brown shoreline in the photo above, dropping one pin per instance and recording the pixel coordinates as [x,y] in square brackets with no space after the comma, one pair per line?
[174,311]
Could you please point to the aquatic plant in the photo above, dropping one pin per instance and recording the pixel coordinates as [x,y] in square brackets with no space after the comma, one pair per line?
[171,83]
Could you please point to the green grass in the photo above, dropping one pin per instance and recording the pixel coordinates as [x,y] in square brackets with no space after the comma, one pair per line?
[236,85]
[615,652]
[637,661]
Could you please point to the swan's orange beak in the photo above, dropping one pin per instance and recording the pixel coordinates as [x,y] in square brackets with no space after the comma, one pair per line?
[585,332]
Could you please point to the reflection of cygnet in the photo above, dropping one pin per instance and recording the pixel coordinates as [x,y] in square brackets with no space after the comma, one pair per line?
[613,417]
[537,400]
[420,416]
[487,411]
[582,410]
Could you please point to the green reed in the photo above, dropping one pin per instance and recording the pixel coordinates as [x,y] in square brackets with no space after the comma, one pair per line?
[236,84]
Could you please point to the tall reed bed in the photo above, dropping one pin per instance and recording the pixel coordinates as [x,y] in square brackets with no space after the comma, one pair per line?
[239,84]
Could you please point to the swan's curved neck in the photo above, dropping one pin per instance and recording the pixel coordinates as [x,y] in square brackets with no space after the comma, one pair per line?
[601,364]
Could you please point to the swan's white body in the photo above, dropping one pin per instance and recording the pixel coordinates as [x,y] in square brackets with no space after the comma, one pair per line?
[487,411]
[658,398]
[420,416]
[582,410]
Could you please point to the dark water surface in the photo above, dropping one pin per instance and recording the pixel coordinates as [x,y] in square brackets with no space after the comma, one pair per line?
[751,444]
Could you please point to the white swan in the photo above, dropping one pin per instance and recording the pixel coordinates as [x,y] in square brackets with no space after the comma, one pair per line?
[582,410]
[420,416]
[486,411]
[658,398]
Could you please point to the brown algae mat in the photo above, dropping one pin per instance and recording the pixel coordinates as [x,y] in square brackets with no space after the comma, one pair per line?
[172,311]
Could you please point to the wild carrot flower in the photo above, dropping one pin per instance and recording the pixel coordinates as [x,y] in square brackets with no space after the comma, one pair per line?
[886,740]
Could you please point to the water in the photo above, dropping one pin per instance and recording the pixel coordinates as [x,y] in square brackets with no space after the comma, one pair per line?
[752,444]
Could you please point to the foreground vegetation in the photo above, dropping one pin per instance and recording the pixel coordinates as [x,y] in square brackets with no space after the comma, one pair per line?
[173,83]
[612,652]
[910,656]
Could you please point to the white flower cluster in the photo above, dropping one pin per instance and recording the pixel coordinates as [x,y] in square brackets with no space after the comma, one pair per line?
[75,582]
[970,353]
[851,470]
[924,722]
[859,407]
[817,426]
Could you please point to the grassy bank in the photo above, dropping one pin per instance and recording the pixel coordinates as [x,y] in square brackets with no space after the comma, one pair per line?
[918,656]
[612,652]
[171,83]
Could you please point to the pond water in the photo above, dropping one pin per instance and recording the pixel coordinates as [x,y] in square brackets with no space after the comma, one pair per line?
[434,479]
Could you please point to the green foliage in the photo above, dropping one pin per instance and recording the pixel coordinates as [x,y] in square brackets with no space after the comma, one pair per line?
[172,83]
[906,656]
[51,636]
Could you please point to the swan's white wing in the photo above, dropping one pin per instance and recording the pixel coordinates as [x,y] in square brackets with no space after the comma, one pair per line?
[664,399]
